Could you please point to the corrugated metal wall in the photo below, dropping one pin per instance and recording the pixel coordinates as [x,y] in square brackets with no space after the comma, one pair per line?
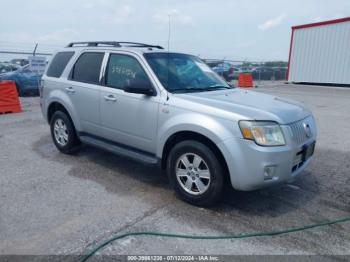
[321,54]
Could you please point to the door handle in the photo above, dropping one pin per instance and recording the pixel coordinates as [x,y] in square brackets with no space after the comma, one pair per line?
[70,90]
[110,98]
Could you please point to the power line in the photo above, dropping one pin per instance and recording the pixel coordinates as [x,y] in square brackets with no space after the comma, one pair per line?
[29,44]
[22,53]
[169,34]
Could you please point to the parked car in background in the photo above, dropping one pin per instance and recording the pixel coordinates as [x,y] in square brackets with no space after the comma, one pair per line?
[20,61]
[245,70]
[6,67]
[234,73]
[27,81]
[227,70]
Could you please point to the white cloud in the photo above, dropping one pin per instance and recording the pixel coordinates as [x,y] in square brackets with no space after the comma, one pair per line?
[162,17]
[272,22]
[119,15]
[206,27]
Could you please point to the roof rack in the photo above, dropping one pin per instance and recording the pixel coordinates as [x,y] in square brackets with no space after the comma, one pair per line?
[104,43]
[135,44]
[113,43]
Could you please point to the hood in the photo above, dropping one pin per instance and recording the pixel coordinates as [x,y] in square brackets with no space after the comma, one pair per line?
[249,105]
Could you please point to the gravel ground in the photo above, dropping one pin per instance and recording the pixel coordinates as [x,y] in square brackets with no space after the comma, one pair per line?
[51,203]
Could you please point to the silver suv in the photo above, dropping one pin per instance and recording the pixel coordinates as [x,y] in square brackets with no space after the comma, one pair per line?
[171,109]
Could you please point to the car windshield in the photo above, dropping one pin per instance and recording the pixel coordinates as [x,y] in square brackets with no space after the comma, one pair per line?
[181,73]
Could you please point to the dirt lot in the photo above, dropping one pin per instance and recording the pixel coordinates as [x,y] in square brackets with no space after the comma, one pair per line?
[51,203]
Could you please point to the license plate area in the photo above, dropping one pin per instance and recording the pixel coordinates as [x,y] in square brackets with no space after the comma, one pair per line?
[303,155]
[308,151]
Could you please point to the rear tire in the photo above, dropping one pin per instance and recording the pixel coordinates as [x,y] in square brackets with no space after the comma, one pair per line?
[195,173]
[63,133]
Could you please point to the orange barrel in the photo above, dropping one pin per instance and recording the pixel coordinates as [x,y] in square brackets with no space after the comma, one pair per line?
[9,100]
[245,80]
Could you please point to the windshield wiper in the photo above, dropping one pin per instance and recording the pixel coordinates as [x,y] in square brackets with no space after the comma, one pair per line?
[201,89]
[212,88]
[185,90]
[219,86]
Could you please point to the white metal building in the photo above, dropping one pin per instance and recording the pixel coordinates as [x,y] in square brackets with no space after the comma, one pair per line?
[320,53]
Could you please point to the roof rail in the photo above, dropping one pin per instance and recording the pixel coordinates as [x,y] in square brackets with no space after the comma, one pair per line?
[94,43]
[135,44]
[113,43]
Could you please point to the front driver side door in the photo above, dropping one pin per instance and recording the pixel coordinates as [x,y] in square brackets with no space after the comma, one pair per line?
[128,119]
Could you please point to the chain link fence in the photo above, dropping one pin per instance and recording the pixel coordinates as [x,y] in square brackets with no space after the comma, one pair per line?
[261,71]
[14,65]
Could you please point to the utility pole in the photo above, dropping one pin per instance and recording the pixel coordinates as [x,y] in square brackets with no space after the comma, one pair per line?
[169,31]
[36,45]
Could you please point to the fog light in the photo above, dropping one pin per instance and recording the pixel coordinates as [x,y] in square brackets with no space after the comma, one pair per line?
[269,172]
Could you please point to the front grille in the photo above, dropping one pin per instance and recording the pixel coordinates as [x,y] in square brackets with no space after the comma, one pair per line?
[298,131]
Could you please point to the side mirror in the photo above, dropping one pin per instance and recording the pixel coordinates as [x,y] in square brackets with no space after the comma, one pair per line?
[140,87]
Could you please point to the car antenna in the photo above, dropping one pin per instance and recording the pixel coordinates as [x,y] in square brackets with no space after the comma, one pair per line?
[37,72]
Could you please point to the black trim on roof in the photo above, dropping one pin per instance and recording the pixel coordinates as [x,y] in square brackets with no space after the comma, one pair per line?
[113,43]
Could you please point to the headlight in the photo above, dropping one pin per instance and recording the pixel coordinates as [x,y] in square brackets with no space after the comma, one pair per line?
[264,133]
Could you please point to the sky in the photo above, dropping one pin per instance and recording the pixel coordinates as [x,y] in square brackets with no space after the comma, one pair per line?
[253,30]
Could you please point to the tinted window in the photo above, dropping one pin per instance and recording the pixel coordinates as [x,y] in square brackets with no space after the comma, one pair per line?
[87,68]
[58,64]
[122,69]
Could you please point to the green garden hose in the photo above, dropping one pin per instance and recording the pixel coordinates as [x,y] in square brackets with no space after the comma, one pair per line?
[208,237]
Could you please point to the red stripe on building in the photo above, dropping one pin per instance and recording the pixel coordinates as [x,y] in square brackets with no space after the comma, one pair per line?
[329,22]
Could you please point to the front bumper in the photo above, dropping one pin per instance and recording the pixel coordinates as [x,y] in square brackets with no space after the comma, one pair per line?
[247,161]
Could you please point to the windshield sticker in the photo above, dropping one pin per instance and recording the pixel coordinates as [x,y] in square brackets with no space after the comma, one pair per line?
[123,71]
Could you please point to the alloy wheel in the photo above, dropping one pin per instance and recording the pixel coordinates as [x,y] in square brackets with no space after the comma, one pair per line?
[193,174]
[61,132]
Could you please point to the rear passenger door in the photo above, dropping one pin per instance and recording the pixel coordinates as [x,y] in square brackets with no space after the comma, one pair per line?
[127,118]
[84,90]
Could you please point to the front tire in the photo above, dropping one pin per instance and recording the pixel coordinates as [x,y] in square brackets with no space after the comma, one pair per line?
[63,133]
[195,173]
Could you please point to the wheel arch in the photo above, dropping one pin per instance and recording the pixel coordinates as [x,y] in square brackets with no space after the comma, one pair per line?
[58,106]
[191,135]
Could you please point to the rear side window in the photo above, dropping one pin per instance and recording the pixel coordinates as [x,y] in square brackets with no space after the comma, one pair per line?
[87,68]
[59,63]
